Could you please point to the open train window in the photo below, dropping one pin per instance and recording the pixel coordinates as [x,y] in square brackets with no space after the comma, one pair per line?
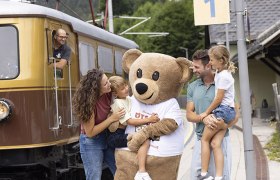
[57,53]
[9,52]
[105,59]
[86,57]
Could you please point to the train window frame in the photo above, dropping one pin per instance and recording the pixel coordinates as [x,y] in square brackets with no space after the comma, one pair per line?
[16,57]
[105,58]
[118,62]
[87,57]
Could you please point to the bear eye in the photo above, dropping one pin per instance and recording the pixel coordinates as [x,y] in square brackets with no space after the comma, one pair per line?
[155,75]
[139,73]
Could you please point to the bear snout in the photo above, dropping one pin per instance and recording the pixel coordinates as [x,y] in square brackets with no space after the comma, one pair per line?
[141,88]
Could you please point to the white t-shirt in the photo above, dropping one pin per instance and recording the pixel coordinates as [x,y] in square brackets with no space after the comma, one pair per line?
[224,80]
[122,103]
[167,145]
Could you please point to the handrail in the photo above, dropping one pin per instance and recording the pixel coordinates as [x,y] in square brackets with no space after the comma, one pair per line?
[70,94]
[58,118]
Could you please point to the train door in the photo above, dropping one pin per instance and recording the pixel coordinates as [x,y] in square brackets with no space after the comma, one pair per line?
[60,84]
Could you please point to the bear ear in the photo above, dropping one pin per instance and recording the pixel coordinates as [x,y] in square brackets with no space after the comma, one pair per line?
[185,65]
[129,57]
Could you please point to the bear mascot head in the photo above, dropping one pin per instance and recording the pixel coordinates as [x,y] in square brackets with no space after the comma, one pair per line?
[155,80]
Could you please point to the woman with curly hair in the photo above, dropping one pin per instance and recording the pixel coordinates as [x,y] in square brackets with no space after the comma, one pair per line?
[91,104]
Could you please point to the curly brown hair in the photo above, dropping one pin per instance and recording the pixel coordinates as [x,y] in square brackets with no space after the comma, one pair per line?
[86,95]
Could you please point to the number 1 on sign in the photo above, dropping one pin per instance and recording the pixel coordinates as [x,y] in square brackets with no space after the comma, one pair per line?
[212,7]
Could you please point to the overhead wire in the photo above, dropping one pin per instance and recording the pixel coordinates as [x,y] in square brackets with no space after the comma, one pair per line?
[70,9]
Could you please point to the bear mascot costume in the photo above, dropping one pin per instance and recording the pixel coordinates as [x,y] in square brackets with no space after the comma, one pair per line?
[155,80]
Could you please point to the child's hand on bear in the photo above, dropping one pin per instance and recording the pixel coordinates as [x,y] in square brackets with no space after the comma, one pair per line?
[153,118]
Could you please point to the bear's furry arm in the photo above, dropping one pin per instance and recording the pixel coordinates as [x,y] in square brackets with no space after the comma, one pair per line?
[163,127]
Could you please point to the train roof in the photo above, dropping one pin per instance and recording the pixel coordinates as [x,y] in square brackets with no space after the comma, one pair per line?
[19,9]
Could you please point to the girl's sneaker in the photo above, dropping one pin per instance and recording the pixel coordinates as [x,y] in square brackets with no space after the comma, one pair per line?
[206,177]
[142,176]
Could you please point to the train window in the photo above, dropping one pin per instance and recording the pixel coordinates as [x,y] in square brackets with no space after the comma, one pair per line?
[118,62]
[105,59]
[9,52]
[86,57]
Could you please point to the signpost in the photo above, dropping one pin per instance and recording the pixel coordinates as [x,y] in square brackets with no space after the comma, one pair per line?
[211,12]
[249,153]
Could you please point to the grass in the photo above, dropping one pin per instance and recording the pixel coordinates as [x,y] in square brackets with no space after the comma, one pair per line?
[273,147]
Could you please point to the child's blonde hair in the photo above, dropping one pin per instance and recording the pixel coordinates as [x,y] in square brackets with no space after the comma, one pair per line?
[221,53]
[117,82]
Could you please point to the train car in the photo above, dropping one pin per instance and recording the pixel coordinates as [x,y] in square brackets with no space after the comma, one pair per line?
[38,130]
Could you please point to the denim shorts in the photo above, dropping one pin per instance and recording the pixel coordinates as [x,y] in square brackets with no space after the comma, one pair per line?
[224,112]
[94,152]
[117,139]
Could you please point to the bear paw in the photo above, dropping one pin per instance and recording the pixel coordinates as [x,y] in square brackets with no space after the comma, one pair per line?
[135,141]
[129,137]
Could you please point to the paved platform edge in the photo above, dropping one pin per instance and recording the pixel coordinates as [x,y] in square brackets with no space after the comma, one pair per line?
[262,171]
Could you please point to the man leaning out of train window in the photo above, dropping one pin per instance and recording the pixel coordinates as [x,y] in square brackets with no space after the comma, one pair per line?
[60,49]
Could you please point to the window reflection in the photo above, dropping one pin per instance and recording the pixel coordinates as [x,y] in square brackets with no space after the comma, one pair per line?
[9,57]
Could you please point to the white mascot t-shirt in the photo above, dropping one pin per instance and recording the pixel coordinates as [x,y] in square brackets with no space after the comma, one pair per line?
[167,145]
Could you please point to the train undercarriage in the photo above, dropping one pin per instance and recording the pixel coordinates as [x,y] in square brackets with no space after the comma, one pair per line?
[47,163]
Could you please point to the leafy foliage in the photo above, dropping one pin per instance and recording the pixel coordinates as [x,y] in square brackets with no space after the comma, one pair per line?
[174,17]
[125,7]
[273,147]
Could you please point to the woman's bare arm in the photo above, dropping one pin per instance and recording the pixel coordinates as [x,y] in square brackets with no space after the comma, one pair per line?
[92,130]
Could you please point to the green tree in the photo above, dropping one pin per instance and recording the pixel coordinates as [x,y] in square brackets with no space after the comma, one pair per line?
[174,17]
[126,7]
[146,10]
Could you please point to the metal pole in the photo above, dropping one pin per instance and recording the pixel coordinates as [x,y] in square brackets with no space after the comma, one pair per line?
[57,4]
[249,153]
[106,15]
[92,12]
[227,38]
[110,15]
[186,49]
[146,19]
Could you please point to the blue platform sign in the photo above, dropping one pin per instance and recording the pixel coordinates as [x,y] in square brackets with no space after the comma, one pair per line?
[207,12]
